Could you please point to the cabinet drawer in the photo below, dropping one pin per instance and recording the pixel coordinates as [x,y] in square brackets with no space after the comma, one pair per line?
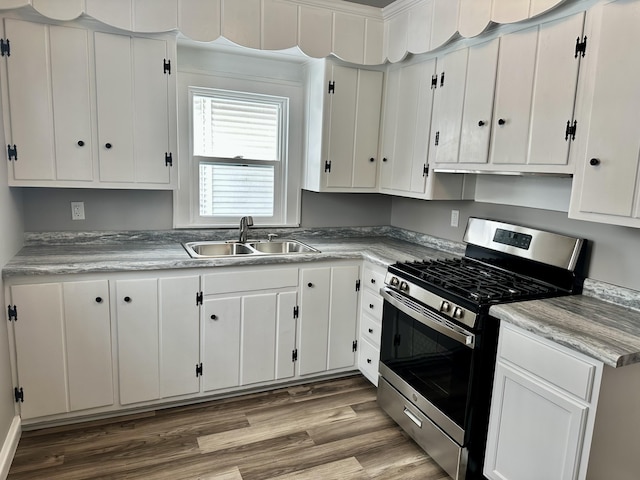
[372,305]
[374,277]
[370,329]
[368,358]
[548,362]
[249,280]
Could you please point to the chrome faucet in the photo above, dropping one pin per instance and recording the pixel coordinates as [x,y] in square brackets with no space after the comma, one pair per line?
[245,223]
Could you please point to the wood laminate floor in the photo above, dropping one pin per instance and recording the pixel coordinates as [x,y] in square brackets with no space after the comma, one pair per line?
[326,430]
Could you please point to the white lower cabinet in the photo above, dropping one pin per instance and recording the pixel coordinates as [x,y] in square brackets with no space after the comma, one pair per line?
[62,346]
[370,330]
[328,318]
[98,343]
[542,411]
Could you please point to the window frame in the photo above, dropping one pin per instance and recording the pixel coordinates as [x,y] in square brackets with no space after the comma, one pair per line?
[186,197]
[279,200]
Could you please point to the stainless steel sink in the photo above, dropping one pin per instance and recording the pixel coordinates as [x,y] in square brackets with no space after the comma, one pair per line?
[282,246]
[254,247]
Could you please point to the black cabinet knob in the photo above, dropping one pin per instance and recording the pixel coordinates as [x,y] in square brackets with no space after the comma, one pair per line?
[107,145]
[372,159]
[371,330]
[481,123]
[80,143]
[98,299]
[384,159]
[214,317]
[310,285]
[371,305]
[373,280]
[594,162]
[501,121]
[127,299]
[368,360]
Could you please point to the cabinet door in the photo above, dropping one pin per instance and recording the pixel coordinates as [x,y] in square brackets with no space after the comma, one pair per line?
[259,332]
[114,85]
[514,84]
[88,344]
[286,335]
[530,421]
[179,335]
[30,106]
[610,107]
[138,343]
[554,92]
[368,106]
[40,357]
[221,343]
[314,320]
[343,314]
[341,129]
[389,128]
[151,111]
[478,103]
[447,107]
[72,103]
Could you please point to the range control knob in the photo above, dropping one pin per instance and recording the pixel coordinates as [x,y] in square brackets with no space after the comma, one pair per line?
[394,281]
[445,307]
[404,287]
[458,313]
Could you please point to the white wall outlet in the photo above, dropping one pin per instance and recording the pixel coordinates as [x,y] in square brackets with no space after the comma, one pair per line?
[455,217]
[77,210]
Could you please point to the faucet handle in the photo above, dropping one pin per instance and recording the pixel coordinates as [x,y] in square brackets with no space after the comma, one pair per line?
[271,236]
[249,221]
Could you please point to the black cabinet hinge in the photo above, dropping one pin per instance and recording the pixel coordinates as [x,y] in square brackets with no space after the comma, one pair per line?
[442,80]
[5,47]
[198,298]
[358,285]
[434,81]
[296,311]
[581,47]
[12,311]
[332,86]
[571,130]
[199,370]
[168,159]
[327,166]
[12,152]
[18,394]
[425,170]
[354,346]
[294,355]
[437,141]
[167,66]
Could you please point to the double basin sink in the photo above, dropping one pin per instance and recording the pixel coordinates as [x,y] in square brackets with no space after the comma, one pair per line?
[252,247]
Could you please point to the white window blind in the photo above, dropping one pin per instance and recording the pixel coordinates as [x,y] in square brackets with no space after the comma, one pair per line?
[228,190]
[226,127]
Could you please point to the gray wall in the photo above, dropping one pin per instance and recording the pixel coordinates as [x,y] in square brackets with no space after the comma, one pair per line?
[614,256]
[49,209]
[11,240]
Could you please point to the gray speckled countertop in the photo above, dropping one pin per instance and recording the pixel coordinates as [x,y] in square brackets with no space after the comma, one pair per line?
[69,253]
[596,327]
[603,323]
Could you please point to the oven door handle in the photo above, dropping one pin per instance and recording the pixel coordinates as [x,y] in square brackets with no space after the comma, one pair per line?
[453,332]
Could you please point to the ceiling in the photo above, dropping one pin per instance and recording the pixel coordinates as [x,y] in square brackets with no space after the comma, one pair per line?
[373,3]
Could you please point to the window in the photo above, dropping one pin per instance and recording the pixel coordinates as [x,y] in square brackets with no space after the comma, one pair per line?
[240,141]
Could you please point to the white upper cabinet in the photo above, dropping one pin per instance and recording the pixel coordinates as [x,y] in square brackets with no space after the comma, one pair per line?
[605,186]
[343,129]
[88,109]
[405,169]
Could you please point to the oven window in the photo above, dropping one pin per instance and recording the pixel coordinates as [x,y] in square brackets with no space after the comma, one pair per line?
[432,363]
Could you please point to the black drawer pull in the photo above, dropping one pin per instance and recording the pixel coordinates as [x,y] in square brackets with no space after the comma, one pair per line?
[127,299]
[310,285]
[107,146]
[594,162]
[80,143]
[98,299]
[214,317]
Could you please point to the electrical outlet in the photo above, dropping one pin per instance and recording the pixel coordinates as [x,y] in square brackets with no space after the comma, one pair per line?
[77,210]
[455,217]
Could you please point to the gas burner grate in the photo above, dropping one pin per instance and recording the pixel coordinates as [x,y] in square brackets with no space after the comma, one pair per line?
[474,280]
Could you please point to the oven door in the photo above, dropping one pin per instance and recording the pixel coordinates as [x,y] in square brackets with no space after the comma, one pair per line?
[431,355]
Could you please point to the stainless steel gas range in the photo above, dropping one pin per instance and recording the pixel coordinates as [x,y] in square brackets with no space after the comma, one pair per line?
[439,342]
